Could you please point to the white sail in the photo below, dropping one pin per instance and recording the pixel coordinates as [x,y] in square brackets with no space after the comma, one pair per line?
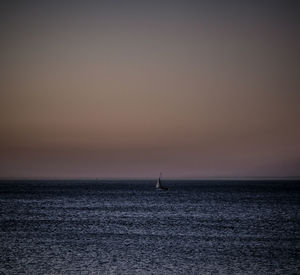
[159,185]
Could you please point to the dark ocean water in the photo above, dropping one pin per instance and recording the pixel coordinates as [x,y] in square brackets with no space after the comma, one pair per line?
[127,227]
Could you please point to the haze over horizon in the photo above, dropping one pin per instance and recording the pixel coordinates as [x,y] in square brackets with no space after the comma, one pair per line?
[114,89]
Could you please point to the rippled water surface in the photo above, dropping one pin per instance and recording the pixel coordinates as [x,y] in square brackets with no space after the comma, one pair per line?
[127,227]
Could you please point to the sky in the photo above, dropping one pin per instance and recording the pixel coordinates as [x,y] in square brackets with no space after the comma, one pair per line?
[133,88]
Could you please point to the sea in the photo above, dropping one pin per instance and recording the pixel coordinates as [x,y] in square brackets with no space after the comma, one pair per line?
[129,227]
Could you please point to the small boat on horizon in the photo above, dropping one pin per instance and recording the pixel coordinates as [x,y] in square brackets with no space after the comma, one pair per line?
[159,185]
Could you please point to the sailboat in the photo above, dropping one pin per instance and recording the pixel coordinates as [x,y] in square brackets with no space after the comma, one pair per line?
[159,185]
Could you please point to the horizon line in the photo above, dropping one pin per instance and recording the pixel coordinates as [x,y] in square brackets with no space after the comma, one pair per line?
[152,178]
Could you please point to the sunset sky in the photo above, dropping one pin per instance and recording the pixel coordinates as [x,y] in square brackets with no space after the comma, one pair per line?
[132,88]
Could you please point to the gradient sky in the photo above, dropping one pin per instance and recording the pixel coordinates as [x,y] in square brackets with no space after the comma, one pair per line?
[132,88]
